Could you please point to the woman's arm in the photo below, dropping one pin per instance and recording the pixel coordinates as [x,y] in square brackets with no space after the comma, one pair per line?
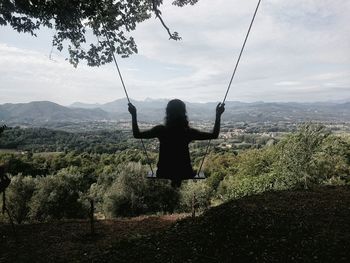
[152,133]
[198,135]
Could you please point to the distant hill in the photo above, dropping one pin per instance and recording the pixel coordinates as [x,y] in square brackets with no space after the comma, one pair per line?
[148,110]
[45,111]
[154,111]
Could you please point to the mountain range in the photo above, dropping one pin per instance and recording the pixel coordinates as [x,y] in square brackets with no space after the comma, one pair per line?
[46,111]
[154,110]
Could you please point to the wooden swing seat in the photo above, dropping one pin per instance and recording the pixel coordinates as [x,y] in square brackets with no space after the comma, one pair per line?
[200,176]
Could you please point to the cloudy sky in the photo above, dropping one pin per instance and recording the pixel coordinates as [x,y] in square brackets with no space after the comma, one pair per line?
[298,51]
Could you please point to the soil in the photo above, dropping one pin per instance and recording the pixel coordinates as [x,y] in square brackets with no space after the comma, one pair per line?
[288,226]
[71,241]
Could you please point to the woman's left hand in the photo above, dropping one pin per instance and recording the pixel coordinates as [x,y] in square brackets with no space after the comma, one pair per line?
[132,109]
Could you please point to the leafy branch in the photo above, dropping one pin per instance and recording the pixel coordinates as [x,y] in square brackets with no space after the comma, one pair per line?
[175,35]
[75,20]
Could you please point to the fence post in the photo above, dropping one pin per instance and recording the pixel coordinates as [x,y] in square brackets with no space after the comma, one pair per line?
[193,205]
[92,221]
[5,209]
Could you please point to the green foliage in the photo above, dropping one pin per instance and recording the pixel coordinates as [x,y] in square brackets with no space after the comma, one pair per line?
[18,197]
[57,185]
[307,158]
[234,187]
[252,175]
[195,194]
[87,164]
[124,196]
[332,162]
[297,155]
[59,196]
[127,192]
[218,166]
[25,166]
[46,140]
[255,162]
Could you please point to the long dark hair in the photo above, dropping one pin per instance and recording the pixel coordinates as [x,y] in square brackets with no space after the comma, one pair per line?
[176,115]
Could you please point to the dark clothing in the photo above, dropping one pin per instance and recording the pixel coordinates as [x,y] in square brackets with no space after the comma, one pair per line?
[174,158]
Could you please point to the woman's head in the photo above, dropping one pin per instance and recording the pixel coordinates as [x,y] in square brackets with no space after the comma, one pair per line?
[176,114]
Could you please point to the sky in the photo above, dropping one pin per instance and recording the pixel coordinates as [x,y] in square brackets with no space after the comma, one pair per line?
[297,51]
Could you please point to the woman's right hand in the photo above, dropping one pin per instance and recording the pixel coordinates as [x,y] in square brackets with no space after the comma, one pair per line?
[132,109]
[220,108]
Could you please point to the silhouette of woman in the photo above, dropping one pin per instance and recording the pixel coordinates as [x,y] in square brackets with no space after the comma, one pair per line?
[174,161]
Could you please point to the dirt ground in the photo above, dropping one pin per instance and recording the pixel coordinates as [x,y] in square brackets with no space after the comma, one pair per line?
[287,226]
[70,241]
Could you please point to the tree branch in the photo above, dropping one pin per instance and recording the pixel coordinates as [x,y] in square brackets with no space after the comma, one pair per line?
[175,35]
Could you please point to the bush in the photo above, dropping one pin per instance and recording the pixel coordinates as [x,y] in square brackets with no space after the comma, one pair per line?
[195,193]
[309,157]
[298,153]
[218,166]
[252,175]
[129,193]
[332,162]
[18,197]
[59,196]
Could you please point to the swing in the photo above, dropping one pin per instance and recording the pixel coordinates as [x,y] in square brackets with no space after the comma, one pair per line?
[198,175]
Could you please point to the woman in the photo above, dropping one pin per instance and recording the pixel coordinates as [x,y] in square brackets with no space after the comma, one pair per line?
[174,158]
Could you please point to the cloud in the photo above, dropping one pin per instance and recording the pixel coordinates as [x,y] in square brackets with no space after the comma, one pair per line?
[27,75]
[287,83]
[298,50]
[290,40]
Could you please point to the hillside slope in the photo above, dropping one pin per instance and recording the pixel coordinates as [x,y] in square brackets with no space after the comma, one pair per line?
[287,226]
[290,226]
[45,111]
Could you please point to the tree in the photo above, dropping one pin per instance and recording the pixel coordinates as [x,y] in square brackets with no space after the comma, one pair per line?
[332,162]
[195,195]
[298,152]
[129,193]
[252,176]
[218,166]
[74,20]
[19,195]
[59,196]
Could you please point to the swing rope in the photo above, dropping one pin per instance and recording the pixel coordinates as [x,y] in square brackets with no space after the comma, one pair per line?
[232,77]
[242,49]
[116,63]
[126,93]
[223,101]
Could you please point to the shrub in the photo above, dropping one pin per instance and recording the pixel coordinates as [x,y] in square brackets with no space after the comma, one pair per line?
[58,196]
[195,193]
[130,193]
[297,155]
[18,196]
[332,162]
